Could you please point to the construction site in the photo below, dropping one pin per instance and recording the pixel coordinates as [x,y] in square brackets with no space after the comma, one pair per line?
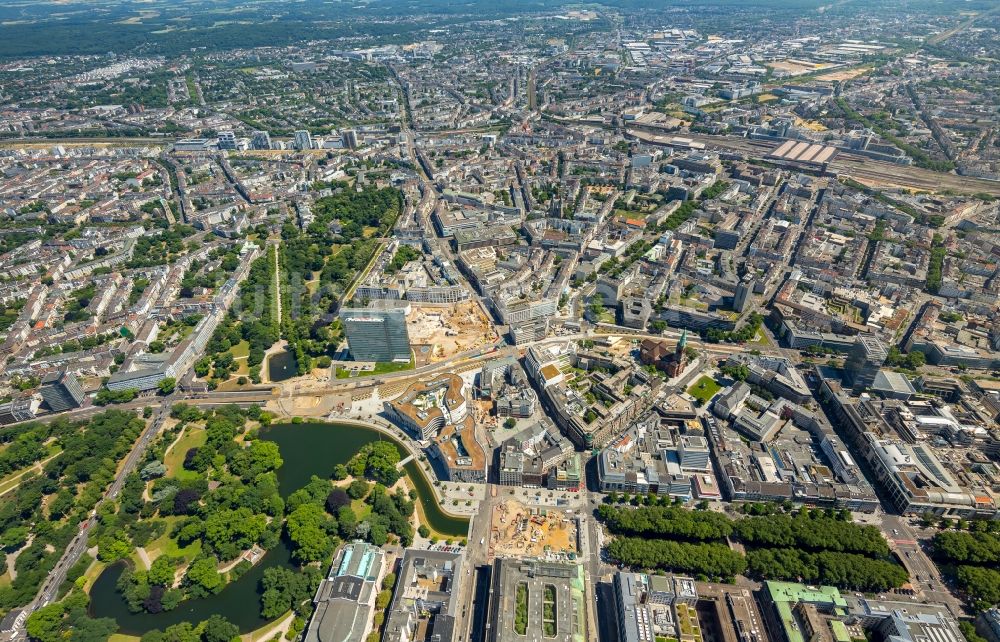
[449,329]
[543,533]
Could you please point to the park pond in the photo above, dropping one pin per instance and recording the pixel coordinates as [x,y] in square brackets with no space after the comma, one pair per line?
[281,366]
[308,449]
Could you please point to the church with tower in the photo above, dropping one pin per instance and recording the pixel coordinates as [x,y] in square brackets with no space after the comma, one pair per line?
[657,353]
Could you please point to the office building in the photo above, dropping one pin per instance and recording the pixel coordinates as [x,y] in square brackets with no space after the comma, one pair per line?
[799,613]
[511,394]
[893,385]
[633,617]
[428,406]
[227,140]
[647,608]
[567,475]
[903,626]
[19,409]
[425,602]
[437,411]
[457,455]
[777,375]
[376,334]
[988,624]
[528,332]
[302,139]
[260,140]
[888,620]
[194,144]
[678,316]
[863,362]
[349,137]
[516,402]
[345,600]
[743,294]
[693,454]
[61,391]
[534,453]
[523,311]
[519,593]
[635,312]
[140,380]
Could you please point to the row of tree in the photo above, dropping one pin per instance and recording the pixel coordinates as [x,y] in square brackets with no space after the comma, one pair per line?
[957,547]
[980,584]
[666,521]
[811,530]
[845,570]
[971,558]
[710,560]
[252,320]
[815,533]
[809,546]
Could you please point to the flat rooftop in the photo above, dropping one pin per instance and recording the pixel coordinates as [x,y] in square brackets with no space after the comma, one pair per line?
[530,599]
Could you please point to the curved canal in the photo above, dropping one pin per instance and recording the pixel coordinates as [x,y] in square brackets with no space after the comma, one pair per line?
[311,448]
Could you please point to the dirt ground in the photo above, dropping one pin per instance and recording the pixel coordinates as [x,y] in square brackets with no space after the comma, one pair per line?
[810,124]
[847,74]
[517,530]
[790,67]
[795,67]
[484,413]
[311,406]
[449,330]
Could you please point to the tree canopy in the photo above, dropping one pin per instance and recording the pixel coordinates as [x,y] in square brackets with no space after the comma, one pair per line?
[809,546]
[378,461]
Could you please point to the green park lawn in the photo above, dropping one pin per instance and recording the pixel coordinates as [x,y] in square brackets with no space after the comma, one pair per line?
[174,459]
[381,368]
[241,349]
[704,389]
[241,353]
[361,508]
[166,545]
[392,366]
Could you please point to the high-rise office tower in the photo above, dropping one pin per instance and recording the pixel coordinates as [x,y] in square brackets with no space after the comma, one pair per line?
[303,140]
[863,362]
[376,334]
[742,297]
[61,391]
[260,140]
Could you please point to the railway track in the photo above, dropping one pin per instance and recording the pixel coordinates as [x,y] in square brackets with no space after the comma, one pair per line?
[855,166]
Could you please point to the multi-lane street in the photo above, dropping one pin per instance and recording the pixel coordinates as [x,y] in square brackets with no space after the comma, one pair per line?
[910,544]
